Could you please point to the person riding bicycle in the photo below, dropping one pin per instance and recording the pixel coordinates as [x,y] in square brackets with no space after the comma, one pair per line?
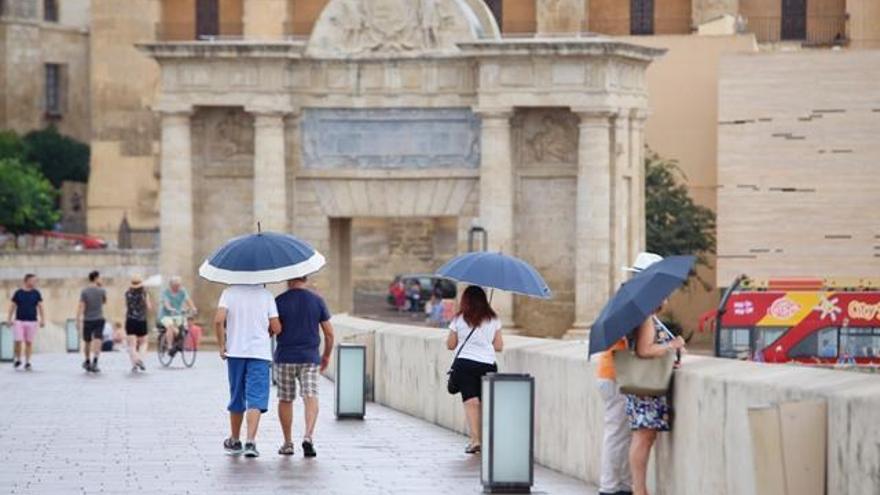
[174,308]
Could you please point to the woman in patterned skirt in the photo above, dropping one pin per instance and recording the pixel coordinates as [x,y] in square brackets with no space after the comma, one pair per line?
[647,415]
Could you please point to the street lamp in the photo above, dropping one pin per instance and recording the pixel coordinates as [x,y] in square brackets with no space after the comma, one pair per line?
[6,344]
[351,371]
[508,433]
[71,335]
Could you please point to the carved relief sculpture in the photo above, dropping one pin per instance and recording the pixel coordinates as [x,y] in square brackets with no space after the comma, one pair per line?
[553,140]
[232,135]
[363,28]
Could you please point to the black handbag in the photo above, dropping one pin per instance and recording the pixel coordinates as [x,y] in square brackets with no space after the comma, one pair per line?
[451,385]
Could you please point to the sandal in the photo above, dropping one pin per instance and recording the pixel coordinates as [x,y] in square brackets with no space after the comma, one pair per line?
[286,449]
[472,449]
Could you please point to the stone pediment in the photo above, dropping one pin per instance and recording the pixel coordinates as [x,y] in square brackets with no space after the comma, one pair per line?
[392,28]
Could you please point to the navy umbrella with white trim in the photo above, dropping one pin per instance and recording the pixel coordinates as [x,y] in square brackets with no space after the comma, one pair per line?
[262,258]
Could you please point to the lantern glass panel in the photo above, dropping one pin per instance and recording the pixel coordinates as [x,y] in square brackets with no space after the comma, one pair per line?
[6,353]
[351,380]
[71,335]
[511,423]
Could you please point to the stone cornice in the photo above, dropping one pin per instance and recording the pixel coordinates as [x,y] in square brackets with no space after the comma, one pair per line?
[223,49]
[591,46]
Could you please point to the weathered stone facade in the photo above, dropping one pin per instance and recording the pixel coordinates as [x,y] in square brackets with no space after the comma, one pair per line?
[423,119]
[27,44]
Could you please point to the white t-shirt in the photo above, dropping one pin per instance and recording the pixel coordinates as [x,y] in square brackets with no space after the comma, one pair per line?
[479,347]
[248,310]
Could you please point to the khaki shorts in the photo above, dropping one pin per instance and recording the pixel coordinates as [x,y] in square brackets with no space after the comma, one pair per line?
[288,374]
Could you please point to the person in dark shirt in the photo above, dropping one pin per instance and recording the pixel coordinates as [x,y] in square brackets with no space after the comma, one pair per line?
[90,316]
[297,358]
[26,306]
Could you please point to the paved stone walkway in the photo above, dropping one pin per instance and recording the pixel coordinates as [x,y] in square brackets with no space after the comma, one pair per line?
[64,431]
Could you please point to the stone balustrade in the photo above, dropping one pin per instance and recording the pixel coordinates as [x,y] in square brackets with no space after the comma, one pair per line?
[709,450]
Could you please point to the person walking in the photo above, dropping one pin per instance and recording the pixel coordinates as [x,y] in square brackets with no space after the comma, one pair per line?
[475,334]
[137,306]
[90,317]
[246,317]
[648,414]
[615,477]
[297,358]
[26,306]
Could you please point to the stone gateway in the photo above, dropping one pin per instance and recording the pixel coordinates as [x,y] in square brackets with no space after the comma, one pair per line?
[419,113]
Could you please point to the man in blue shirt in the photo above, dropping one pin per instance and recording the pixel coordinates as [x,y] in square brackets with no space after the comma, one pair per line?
[26,305]
[297,360]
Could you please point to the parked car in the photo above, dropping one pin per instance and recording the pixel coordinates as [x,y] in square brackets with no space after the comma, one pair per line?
[428,282]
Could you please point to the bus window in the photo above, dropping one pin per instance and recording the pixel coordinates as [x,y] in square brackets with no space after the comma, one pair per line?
[734,341]
[821,343]
[764,336]
[860,341]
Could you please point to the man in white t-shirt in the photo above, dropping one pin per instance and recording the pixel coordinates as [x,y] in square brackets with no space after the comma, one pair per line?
[246,318]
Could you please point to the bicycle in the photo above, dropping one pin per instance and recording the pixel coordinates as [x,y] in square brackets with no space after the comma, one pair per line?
[186,349]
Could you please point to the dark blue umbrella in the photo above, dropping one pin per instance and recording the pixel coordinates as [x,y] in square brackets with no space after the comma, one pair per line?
[637,299]
[262,258]
[496,271]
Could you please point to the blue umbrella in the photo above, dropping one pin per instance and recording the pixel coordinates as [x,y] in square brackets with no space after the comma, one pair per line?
[496,271]
[261,258]
[637,299]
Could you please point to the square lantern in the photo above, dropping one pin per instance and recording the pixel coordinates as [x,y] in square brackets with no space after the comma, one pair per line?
[351,373]
[71,335]
[508,433]
[6,342]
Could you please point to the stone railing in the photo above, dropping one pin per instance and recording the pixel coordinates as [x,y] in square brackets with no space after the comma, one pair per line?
[709,450]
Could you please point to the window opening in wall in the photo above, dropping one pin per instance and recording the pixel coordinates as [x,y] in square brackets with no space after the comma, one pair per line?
[641,17]
[50,10]
[207,18]
[794,19]
[54,90]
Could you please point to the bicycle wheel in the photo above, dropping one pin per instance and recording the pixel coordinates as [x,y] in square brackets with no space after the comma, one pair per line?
[188,350]
[162,350]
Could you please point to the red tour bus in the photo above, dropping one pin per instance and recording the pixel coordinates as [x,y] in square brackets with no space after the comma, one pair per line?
[806,320]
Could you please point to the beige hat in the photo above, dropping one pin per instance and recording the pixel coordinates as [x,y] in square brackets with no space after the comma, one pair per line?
[643,260]
[136,282]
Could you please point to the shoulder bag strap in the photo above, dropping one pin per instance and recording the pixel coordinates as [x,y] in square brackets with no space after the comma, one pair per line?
[463,344]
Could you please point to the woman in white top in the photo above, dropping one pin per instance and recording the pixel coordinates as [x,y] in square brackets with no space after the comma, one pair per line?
[475,354]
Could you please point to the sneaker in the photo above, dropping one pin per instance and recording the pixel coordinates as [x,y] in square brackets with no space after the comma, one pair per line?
[27,366]
[16,364]
[94,368]
[308,449]
[250,450]
[232,447]
[140,364]
[134,369]
[286,449]
[472,449]
[87,365]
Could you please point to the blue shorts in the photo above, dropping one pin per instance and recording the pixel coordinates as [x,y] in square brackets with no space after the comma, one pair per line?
[248,384]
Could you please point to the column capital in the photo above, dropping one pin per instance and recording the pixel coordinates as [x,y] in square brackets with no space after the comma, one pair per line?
[599,116]
[494,113]
[170,108]
[639,114]
[263,110]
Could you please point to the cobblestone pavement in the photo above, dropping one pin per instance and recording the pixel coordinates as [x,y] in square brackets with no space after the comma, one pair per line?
[64,431]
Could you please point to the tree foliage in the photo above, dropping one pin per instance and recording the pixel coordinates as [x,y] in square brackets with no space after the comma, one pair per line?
[675,224]
[60,157]
[27,199]
[11,145]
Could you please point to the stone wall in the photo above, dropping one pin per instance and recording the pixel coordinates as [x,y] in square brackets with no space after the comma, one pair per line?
[797,144]
[124,136]
[63,274]
[25,47]
[709,450]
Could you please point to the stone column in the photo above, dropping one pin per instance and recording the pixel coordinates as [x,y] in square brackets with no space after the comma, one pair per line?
[593,234]
[622,200]
[496,195]
[176,198]
[637,158]
[270,177]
